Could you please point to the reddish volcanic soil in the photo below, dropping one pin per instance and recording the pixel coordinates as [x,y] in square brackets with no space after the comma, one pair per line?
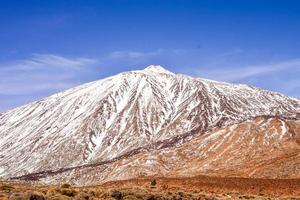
[217,185]
[156,188]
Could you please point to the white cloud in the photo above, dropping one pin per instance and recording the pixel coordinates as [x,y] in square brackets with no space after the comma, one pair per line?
[45,74]
[140,57]
[40,61]
[42,73]
[281,76]
[240,73]
[134,54]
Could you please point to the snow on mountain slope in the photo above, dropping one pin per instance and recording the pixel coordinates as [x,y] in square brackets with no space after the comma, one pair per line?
[263,147]
[110,118]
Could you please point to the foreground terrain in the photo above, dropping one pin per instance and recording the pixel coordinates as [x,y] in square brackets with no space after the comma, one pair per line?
[151,188]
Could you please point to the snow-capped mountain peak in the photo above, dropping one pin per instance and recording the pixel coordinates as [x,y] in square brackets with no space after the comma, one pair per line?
[117,117]
[157,69]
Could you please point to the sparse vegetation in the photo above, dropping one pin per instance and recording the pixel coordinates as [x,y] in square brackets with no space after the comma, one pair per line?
[36,196]
[6,188]
[69,192]
[153,183]
[116,194]
[141,191]
[65,185]
[83,196]
[18,196]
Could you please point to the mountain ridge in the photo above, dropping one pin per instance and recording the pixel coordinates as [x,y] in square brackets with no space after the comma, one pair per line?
[105,119]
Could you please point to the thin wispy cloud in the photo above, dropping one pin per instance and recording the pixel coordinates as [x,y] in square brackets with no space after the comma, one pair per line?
[42,61]
[240,73]
[55,73]
[139,57]
[42,74]
[134,54]
[280,77]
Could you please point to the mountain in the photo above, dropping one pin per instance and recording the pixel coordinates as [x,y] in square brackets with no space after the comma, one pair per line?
[152,122]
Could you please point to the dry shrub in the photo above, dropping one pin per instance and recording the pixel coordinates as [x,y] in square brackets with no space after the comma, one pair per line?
[56,194]
[69,192]
[19,196]
[96,193]
[59,197]
[153,183]
[92,192]
[51,192]
[151,197]
[3,196]
[36,196]
[116,194]
[6,188]
[65,185]
[130,197]
[82,196]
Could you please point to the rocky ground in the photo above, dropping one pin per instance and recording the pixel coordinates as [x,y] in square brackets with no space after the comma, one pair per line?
[152,188]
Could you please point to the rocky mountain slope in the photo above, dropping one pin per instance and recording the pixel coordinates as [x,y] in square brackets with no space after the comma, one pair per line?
[151,122]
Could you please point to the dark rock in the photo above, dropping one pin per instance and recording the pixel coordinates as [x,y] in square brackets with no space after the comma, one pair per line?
[36,197]
[117,195]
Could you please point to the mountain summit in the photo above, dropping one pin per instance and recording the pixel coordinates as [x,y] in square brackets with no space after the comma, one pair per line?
[151,122]
[157,69]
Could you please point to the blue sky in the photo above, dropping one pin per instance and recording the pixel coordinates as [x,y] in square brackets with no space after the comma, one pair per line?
[51,45]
